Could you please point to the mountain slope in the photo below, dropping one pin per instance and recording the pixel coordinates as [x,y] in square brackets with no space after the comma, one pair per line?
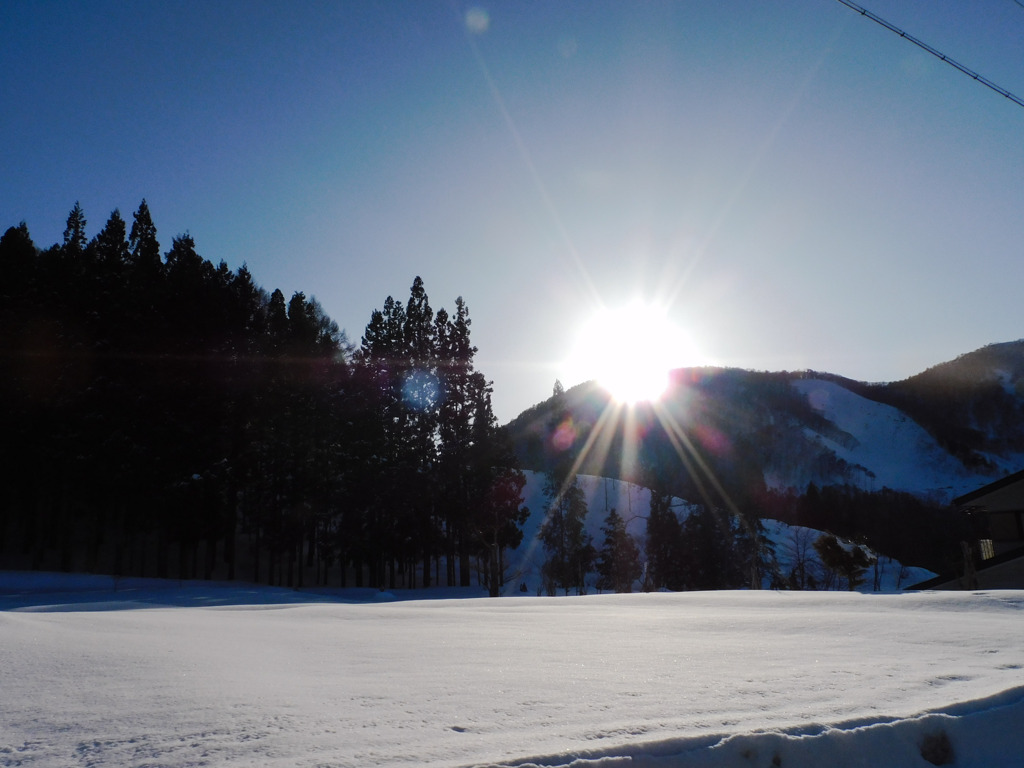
[973,405]
[938,434]
[889,448]
[872,462]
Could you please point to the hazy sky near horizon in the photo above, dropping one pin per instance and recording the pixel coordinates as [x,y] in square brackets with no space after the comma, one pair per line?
[801,187]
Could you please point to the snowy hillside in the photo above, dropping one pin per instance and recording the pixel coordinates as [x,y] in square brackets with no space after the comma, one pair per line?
[602,494]
[633,503]
[890,449]
[936,436]
[198,675]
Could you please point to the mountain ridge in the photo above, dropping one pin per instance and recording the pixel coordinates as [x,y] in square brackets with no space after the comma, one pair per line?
[936,434]
[875,463]
[967,416]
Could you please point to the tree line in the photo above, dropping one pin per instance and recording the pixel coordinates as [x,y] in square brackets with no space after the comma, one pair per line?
[700,546]
[165,416]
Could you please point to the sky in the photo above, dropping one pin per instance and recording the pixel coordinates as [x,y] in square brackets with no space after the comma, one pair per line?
[793,184]
[194,674]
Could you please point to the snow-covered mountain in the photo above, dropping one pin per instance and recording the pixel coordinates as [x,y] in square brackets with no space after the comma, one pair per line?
[876,462]
[937,435]
[883,447]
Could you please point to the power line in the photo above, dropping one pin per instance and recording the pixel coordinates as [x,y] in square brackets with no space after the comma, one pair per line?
[938,54]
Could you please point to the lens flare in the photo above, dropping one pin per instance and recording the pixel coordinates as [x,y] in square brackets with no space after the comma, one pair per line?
[478,20]
[421,390]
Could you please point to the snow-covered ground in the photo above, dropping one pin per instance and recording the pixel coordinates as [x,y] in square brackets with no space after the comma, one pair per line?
[158,674]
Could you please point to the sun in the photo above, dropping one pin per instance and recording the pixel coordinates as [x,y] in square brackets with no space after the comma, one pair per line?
[630,351]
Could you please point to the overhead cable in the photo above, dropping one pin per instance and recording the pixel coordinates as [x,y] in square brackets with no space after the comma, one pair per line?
[938,54]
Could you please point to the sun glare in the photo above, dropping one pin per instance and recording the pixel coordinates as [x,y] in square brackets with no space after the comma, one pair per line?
[630,351]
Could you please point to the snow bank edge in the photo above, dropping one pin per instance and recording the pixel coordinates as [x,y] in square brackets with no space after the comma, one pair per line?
[983,732]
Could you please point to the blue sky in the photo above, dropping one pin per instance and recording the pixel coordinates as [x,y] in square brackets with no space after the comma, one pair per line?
[800,186]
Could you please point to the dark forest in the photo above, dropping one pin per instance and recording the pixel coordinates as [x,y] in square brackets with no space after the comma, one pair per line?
[163,416]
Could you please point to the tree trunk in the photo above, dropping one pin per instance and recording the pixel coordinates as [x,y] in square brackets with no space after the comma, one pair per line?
[229,549]
[161,554]
[64,535]
[449,547]
[256,562]
[465,577]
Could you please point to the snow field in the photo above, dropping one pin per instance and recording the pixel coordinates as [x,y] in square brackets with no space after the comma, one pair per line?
[226,676]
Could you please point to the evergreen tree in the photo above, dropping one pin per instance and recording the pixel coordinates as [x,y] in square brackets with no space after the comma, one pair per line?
[246,312]
[388,490]
[146,302]
[277,324]
[754,551]
[192,302]
[664,546]
[619,559]
[421,395]
[849,563]
[145,250]
[466,434]
[495,512]
[111,244]
[303,333]
[330,339]
[420,386]
[21,423]
[798,553]
[499,523]
[708,555]
[17,268]
[74,233]
[570,548]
